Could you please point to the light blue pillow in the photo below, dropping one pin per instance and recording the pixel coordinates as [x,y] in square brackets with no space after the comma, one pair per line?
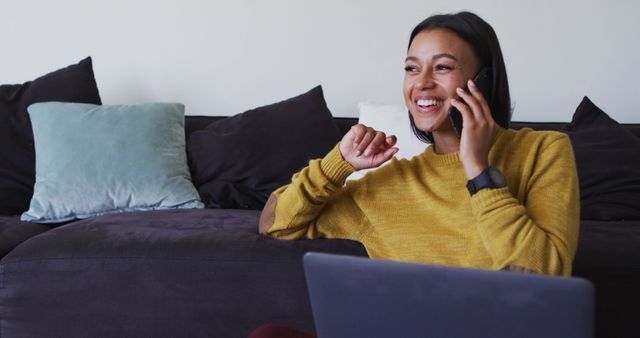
[94,160]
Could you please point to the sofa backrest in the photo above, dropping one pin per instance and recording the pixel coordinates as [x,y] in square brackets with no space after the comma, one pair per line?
[632,127]
[193,123]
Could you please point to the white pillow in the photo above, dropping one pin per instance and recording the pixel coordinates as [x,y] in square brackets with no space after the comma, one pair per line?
[393,119]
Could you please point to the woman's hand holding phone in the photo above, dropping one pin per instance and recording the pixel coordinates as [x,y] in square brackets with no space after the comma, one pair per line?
[478,132]
[364,147]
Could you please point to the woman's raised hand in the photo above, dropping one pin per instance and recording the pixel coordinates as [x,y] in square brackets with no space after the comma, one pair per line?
[364,147]
[479,130]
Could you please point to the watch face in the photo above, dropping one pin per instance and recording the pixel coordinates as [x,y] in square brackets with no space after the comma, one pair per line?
[497,177]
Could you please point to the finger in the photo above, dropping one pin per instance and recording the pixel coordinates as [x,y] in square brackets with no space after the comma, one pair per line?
[476,109]
[377,145]
[388,154]
[465,111]
[477,94]
[359,131]
[364,143]
[385,156]
[391,140]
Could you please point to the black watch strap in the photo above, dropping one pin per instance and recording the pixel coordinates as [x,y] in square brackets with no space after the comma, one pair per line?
[490,178]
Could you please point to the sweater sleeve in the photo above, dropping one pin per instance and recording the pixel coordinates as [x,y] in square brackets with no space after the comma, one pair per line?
[541,234]
[315,203]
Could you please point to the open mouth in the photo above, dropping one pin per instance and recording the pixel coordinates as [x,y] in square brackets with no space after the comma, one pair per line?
[428,104]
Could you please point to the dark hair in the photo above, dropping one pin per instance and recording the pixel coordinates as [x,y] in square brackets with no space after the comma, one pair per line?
[482,38]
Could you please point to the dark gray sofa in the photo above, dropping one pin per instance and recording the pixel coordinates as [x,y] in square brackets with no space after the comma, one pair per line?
[207,272]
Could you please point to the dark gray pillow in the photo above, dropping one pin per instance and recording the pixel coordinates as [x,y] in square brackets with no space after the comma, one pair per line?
[608,161]
[238,161]
[75,83]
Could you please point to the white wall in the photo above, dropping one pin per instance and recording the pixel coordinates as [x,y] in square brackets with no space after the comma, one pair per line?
[223,57]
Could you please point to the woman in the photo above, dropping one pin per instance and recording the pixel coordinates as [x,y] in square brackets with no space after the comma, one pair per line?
[491,198]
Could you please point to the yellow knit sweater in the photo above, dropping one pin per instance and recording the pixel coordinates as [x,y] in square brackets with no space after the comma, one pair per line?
[419,210]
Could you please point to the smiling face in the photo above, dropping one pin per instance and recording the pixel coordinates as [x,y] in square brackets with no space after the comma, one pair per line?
[438,62]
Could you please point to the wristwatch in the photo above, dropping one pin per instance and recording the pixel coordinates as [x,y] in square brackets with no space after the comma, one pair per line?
[490,178]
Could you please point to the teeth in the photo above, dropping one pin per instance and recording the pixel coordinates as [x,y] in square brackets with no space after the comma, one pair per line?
[427,103]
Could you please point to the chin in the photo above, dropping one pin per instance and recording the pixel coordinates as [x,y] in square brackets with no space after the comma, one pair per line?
[429,124]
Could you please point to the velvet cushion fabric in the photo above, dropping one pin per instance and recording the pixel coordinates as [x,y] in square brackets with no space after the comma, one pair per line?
[169,273]
[13,231]
[75,83]
[608,162]
[238,161]
[93,160]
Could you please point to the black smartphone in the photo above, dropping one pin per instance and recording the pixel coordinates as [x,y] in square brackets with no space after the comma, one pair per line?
[483,82]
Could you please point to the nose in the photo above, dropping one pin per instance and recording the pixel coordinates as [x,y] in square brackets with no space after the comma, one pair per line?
[425,80]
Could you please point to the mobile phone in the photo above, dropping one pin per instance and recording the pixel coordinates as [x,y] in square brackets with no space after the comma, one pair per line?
[483,82]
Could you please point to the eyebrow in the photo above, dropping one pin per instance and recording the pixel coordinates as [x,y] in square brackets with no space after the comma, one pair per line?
[435,57]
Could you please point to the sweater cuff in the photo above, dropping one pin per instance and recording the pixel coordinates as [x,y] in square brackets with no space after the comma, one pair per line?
[335,167]
[487,199]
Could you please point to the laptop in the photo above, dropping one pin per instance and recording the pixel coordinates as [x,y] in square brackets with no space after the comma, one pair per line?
[355,297]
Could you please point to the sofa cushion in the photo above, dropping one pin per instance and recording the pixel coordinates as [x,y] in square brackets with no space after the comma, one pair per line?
[608,162]
[93,160]
[13,231]
[237,162]
[75,83]
[608,248]
[607,255]
[207,270]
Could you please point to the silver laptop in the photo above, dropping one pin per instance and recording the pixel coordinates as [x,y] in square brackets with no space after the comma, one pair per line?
[355,297]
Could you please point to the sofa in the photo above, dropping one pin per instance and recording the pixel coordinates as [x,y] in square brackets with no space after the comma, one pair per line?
[206,272]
